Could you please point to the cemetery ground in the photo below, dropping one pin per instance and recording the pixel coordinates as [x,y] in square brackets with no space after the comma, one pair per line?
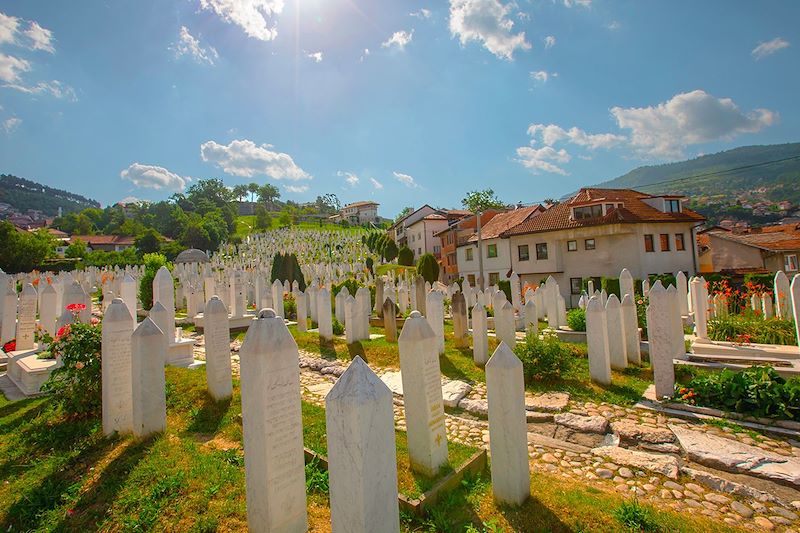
[60,474]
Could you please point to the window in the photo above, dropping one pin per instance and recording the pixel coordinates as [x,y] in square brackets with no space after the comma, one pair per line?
[588,244]
[524,255]
[575,285]
[679,244]
[468,254]
[589,211]
[419,251]
[572,246]
[491,250]
[471,279]
[609,207]
[437,248]
[664,238]
[494,278]
[672,206]
[648,244]
[790,263]
[541,251]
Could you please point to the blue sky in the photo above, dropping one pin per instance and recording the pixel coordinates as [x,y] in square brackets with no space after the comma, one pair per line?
[402,102]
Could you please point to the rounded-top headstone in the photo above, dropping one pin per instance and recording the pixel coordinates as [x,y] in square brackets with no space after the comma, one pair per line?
[594,305]
[613,302]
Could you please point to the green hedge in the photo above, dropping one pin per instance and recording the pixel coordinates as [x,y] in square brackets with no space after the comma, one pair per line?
[505,286]
[58,265]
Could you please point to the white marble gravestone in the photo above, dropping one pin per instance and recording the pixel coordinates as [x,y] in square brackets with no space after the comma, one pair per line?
[434,303]
[325,320]
[26,318]
[597,342]
[630,326]
[480,337]
[148,393]
[217,337]
[660,334]
[117,386]
[504,324]
[617,348]
[48,302]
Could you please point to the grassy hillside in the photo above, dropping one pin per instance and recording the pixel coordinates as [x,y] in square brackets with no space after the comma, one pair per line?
[25,194]
[246,224]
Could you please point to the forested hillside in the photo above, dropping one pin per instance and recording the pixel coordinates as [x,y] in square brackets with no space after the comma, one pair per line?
[24,194]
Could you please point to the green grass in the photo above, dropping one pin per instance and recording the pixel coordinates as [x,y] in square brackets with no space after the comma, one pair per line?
[457,363]
[246,224]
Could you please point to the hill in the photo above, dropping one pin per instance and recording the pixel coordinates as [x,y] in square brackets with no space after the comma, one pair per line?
[748,183]
[24,194]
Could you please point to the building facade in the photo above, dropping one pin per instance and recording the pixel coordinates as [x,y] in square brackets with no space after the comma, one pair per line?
[770,248]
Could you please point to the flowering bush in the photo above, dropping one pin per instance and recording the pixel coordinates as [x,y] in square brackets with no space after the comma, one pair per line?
[289,307]
[576,319]
[76,384]
[544,358]
[750,327]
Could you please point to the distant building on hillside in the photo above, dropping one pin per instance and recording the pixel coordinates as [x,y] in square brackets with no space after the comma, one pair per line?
[770,248]
[106,243]
[358,213]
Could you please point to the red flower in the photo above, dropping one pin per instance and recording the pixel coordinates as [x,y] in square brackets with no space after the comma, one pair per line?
[76,307]
[63,330]
[95,321]
[10,346]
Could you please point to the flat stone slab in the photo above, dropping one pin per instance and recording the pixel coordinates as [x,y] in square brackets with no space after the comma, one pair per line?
[734,456]
[666,465]
[453,391]
[394,381]
[630,431]
[550,402]
[321,389]
[9,389]
[585,424]
[476,407]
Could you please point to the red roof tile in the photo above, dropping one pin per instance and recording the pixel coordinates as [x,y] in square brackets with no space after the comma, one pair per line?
[504,221]
[772,238]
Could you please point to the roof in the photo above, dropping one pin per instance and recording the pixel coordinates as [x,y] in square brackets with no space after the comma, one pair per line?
[108,240]
[192,255]
[633,211]
[434,216]
[400,221]
[360,204]
[502,222]
[785,237]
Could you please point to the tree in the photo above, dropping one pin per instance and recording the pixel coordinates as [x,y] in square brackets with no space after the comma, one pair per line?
[148,242]
[196,236]
[152,262]
[240,191]
[23,251]
[285,219]
[477,201]
[404,212]
[405,256]
[331,202]
[76,250]
[428,268]
[389,250]
[263,220]
[268,193]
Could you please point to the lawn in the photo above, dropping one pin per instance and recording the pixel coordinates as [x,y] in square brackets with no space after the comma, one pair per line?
[246,224]
[457,363]
[63,475]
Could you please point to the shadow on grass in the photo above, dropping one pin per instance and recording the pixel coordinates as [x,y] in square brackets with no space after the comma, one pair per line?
[357,349]
[533,516]
[16,405]
[449,369]
[208,419]
[327,348]
[23,414]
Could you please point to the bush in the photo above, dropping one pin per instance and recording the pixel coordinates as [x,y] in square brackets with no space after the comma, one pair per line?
[611,286]
[289,307]
[750,328]
[505,286]
[759,391]
[576,319]
[338,328]
[76,385]
[428,268]
[152,262]
[405,256]
[543,358]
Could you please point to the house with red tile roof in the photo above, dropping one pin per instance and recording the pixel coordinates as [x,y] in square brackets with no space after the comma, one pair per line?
[595,234]
[455,235]
[106,243]
[770,248]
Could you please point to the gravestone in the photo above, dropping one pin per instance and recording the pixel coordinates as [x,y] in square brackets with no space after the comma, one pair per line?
[379,297]
[504,324]
[348,303]
[597,342]
[480,337]
[683,291]
[277,297]
[422,394]
[699,295]
[164,292]
[531,320]
[301,304]
[117,385]
[362,464]
[516,292]
[508,429]
[238,300]
[660,334]
[389,320]
[48,308]
[630,325]
[767,305]
[26,318]
[339,305]
[460,321]
[434,303]
[794,289]
[678,345]
[325,320]
[362,312]
[617,349]
[160,315]
[419,292]
[148,393]
[626,283]
[9,302]
[783,296]
[217,337]
[272,425]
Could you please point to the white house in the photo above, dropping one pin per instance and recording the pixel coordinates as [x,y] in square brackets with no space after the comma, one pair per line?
[360,213]
[421,235]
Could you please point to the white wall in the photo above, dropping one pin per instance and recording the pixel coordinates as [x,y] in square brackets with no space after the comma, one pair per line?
[499,265]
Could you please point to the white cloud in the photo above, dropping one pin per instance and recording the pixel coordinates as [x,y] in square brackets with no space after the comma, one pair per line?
[549,42]
[614,25]
[543,159]
[54,88]
[540,75]
[316,56]
[154,177]
[247,159]
[769,48]
[255,17]
[11,124]
[349,178]
[689,118]
[581,3]
[376,184]
[364,55]
[190,45]
[486,21]
[550,134]
[8,28]
[399,39]
[421,14]
[11,67]
[296,188]
[40,38]
[406,180]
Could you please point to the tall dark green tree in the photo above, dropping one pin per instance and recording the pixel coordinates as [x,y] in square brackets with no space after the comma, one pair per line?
[428,268]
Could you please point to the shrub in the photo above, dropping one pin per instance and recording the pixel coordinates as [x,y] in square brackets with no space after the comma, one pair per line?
[405,256]
[543,358]
[576,319]
[352,285]
[152,262]
[76,385]
[611,286]
[635,517]
[289,307]
[749,328]
[505,286]
[759,391]
[338,328]
[428,268]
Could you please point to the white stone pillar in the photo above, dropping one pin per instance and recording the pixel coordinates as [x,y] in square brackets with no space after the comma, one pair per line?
[148,393]
[48,309]
[26,318]
[164,292]
[362,464]
[422,394]
[324,318]
[302,310]
[700,306]
[217,337]
[531,321]
[8,326]
[116,382]
[272,425]
[480,338]
[783,295]
[795,291]
[504,324]
[626,283]
[683,290]
[351,327]
[508,428]
[617,348]
[660,336]
[434,303]
[630,324]
[597,342]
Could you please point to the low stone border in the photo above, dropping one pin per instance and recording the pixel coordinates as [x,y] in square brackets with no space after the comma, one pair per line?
[767,422]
